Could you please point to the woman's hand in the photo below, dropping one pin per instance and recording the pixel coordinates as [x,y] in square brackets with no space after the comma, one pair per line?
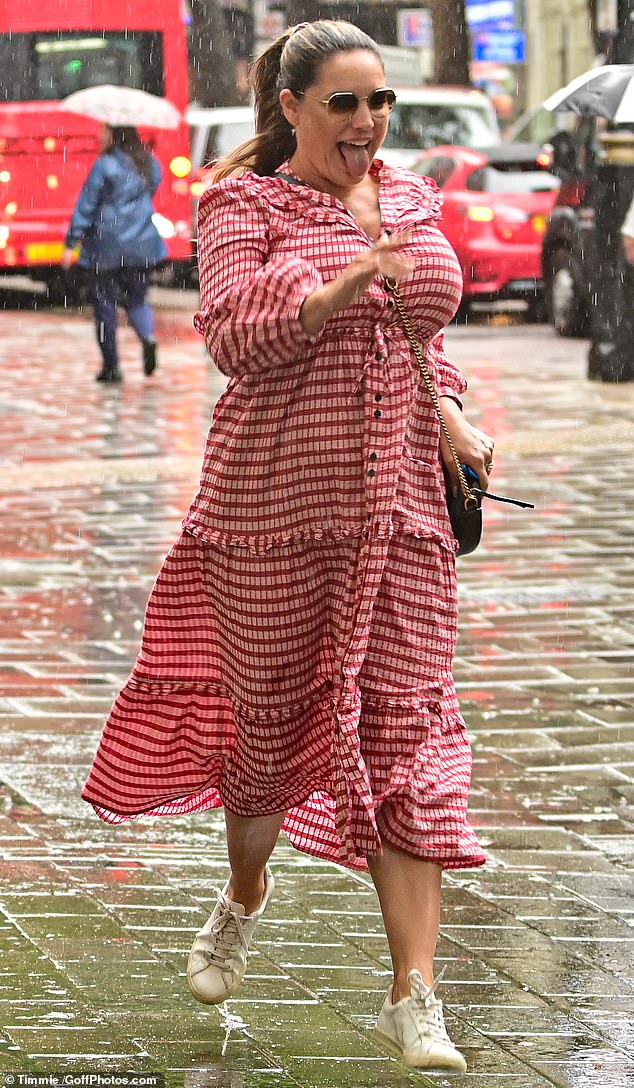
[386,258]
[69,256]
[473,446]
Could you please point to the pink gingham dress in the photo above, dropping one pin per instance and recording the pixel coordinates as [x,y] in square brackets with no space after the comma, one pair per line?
[298,643]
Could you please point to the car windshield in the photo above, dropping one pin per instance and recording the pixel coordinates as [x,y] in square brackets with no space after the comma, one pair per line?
[419,125]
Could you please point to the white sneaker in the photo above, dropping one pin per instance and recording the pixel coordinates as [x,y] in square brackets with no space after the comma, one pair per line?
[414,1027]
[218,958]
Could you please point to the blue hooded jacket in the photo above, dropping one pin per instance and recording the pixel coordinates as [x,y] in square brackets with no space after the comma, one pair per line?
[113,216]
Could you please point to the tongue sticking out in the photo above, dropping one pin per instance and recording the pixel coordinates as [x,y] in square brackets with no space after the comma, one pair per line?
[356,158]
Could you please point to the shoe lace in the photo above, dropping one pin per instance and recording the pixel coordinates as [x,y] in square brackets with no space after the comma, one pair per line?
[223,934]
[426,1008]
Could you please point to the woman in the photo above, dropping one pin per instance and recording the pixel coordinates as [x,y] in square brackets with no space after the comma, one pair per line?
[298,645]
[119,242]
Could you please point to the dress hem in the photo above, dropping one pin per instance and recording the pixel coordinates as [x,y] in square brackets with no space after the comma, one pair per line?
[209,799]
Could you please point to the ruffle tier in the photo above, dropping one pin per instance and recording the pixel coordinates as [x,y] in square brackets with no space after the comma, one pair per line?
[174,749]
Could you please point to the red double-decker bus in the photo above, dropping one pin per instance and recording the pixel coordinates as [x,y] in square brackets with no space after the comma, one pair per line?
[48,51]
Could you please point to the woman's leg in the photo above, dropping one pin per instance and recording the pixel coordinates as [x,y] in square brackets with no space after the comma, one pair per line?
[250,843]
[218,959]
[105,307]
[411,1019]
[135,284]
[140,314]
[409,894]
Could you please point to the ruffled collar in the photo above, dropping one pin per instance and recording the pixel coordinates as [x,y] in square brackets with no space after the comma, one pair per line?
[405,198]
[397,199]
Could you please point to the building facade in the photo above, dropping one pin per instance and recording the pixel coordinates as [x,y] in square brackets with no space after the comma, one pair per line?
[559,45]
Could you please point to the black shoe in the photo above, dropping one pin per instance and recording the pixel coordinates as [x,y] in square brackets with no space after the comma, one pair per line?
[108,374]
[149,357]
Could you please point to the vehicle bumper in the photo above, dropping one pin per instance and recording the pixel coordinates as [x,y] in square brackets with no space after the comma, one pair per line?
[515,289]
[514,273]
[34,244]
[28,244]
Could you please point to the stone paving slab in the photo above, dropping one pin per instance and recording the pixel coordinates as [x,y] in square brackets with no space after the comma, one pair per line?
[96,921]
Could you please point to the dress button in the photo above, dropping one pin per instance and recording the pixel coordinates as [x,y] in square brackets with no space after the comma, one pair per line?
[390,303]
[378,355]
[378,396]
[378,413]
[371,473]
[374,456]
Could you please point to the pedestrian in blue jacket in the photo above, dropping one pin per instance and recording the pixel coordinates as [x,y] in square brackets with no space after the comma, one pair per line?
[112,220]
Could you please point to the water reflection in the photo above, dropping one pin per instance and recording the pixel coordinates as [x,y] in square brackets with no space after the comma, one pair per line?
[215,1078]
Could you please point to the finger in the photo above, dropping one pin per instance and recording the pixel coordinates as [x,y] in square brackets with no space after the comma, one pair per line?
[478,465]
[485,483]
[393,242]
[483,475]
[396,259]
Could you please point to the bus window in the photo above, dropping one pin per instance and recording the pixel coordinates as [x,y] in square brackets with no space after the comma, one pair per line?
[50,66]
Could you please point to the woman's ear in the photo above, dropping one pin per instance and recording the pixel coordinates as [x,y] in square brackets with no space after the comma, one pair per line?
[290,107]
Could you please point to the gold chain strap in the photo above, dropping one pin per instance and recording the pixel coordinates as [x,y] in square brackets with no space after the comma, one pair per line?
[470,500]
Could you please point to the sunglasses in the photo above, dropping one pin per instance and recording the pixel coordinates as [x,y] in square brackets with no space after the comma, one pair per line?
[346,103]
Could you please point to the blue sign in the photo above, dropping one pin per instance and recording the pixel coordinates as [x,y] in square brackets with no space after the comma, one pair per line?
[500,46]
[490,14]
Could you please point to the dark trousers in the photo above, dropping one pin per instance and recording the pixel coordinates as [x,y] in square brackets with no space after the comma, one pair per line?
[126,287]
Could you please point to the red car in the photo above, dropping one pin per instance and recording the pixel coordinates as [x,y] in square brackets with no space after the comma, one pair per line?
[496,204]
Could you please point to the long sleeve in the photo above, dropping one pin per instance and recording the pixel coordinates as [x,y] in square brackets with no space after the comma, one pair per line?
[450,381]
[88,203]
[250,303]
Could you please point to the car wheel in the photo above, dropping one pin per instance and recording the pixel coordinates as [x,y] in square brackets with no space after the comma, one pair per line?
[566,309]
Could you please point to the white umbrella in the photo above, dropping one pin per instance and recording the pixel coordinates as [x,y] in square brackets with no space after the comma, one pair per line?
[122,107]
[605,91]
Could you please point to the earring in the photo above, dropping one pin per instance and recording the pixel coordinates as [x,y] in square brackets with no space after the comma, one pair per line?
[293,132]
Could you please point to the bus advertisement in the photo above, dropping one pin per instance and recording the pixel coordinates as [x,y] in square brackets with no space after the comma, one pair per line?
[48,51]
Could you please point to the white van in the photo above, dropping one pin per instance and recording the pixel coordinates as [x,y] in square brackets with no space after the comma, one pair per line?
[216,131]
[426,117]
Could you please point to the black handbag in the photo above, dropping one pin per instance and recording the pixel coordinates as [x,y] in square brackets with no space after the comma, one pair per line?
[465,515]
[464,505]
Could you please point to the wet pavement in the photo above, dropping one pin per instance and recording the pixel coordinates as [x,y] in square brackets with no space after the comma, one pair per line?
[96,921]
